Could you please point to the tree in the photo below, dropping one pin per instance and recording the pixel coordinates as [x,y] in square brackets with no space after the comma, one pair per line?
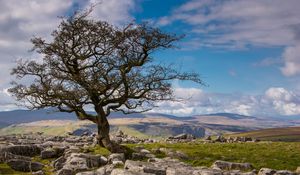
[94,64]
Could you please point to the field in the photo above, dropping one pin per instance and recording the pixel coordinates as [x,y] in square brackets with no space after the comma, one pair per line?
[276,155]
[289,134]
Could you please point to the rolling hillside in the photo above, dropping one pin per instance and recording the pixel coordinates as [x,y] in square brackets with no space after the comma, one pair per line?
[146,124]
[274,134]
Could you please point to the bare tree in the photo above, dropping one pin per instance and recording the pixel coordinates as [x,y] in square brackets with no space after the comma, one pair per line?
[91,63]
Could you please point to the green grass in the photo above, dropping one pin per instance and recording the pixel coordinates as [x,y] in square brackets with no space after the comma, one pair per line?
[48,169]
[97,150]
[276,155]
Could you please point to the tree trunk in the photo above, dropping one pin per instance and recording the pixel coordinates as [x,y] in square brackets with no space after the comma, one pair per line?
[103,133]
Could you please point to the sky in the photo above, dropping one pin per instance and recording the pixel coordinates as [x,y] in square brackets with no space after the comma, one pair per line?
[246,51]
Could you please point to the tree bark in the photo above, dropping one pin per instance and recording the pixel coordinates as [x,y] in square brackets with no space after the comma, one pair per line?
[103,133]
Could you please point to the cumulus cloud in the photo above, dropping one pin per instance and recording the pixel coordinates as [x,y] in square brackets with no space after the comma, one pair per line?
[275,101]
[237,24]
[284,102]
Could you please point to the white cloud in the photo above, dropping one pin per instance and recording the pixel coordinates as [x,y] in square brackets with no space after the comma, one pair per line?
[237,24]
[284,102]
[276,101]
[114,11]
[291,58]
[21,20]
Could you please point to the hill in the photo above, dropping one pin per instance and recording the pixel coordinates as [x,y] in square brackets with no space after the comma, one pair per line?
[274,134]
[143,125]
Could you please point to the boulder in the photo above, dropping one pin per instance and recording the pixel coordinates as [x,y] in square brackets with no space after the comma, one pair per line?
[284,172]
[223,165]
[127,172]
[24,165]
[23,150]
[208,172]
[41,172]
[65,171]
[116,157]
[138,156]
[144,151]
[59,163]
[220,139]
[81,162]
[6,156]
[144,167]
[266,171]
[119,133]
[52,153]
[177,155]
[105,170]
[178,171]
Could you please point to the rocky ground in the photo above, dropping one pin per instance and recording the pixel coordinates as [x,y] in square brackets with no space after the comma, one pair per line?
[68,155]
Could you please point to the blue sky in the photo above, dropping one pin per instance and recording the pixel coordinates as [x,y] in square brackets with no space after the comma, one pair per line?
[247,51]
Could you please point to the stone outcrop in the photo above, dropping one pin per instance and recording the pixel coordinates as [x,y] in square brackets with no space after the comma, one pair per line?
[77,162]
[223,165]
[24,165]
[22,150]
[52,152]
[268,171]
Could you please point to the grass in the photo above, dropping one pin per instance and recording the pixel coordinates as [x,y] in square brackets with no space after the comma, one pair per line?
[275,155]
[132,132]
[97,150]
[48,169]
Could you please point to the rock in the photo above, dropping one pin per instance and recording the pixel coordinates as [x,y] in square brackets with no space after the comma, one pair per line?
[41,172]
[126,172]
[23,150]
[190,137]
[105,170]
[178,171]
[88,173]
[59,163]
[207,138]
[65,171]
[138,156]
[144,167]
[207,172]
[72,140]
[116,157]
[52,153]
[284,172]
[298,170]
[6,156]
[180,136]
[24,166]
[177,155]
[266,171]
[223,165]
[220,139]
[144,151]
[81,162]
[119,133]
[82,132]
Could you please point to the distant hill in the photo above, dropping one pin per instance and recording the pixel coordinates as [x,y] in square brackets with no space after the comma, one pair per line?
[25,116]
[274,134]
[150,124]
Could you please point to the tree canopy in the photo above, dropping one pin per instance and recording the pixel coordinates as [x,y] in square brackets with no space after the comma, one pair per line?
[91,63]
